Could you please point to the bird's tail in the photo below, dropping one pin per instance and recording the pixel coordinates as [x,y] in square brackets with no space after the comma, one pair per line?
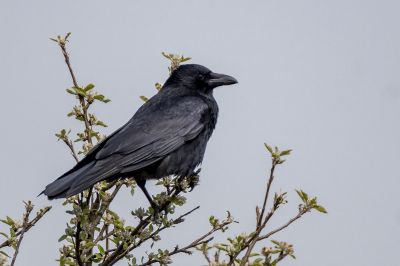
[64,185]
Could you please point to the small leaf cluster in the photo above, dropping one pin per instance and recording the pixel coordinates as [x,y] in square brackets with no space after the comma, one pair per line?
[175,61]
[270,256]
[80,112]
[309,203]
[239,250]
[13,227]
[16,229]
[276,154]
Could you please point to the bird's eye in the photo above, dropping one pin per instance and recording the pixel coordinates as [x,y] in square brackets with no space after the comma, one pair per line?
[200,77]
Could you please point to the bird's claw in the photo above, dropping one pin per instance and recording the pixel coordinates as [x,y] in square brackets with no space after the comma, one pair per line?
[194,180]
[157,210]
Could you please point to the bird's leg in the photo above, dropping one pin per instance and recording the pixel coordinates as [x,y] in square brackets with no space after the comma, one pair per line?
[141,182]
[194,179]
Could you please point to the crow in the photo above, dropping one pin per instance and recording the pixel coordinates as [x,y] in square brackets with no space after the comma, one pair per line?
[167,135]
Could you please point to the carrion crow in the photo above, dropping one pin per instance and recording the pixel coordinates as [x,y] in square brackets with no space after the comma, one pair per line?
[166,136]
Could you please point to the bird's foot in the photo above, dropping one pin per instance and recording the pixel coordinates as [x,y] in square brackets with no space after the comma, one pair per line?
[194,180]
[157,210]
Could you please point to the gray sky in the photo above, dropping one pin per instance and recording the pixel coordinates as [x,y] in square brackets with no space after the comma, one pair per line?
[320,77]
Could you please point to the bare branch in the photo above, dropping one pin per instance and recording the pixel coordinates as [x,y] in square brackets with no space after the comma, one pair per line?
[285,225]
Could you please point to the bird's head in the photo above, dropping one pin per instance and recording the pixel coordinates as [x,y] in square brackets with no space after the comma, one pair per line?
[198,77]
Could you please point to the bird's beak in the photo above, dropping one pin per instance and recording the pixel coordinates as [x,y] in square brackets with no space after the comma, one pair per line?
[220,79]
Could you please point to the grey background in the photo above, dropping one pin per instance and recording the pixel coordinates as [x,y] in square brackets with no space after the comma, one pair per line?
[320,77]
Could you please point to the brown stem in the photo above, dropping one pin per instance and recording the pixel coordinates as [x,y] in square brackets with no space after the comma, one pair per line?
[28,210]
[39,215]
[284,226]
[261,221]
[181,250]
[120,251]
[175,221]
[271,178]
[199,241]
[77,244]
[72,149]
[77,236]
[205,254]
[88,130]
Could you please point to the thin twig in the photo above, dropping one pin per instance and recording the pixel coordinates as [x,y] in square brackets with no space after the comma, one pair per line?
[181,250]
[175,221]
[62,44]
[70,145]
[199,241]
[28,210]
[120,250]
[39,215]
[77,236]
[284,226]
[261,221]
[271,178]
[205,254]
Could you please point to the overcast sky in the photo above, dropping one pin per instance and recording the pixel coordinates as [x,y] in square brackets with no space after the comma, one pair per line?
[320,77]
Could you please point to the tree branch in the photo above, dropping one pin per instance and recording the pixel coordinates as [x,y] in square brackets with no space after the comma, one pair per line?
[28,210]
[62,44]
[285,225]
[199,241]
[29,225]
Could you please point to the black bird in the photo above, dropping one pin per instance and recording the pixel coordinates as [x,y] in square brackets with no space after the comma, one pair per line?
[166,136]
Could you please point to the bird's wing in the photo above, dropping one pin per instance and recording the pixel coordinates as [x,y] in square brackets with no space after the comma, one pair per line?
[157,131]
[146,139]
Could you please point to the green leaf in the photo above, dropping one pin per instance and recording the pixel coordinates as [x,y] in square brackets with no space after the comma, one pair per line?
[101,123]
[320,209]
[185,59]
[63,237]
[101,249]
[71,91]
[89,87]
[8,221]
[286,152]
[5,254]
[269,148]
[80,91]
[303,196]
[158,86]
[101,98]
[144,98]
